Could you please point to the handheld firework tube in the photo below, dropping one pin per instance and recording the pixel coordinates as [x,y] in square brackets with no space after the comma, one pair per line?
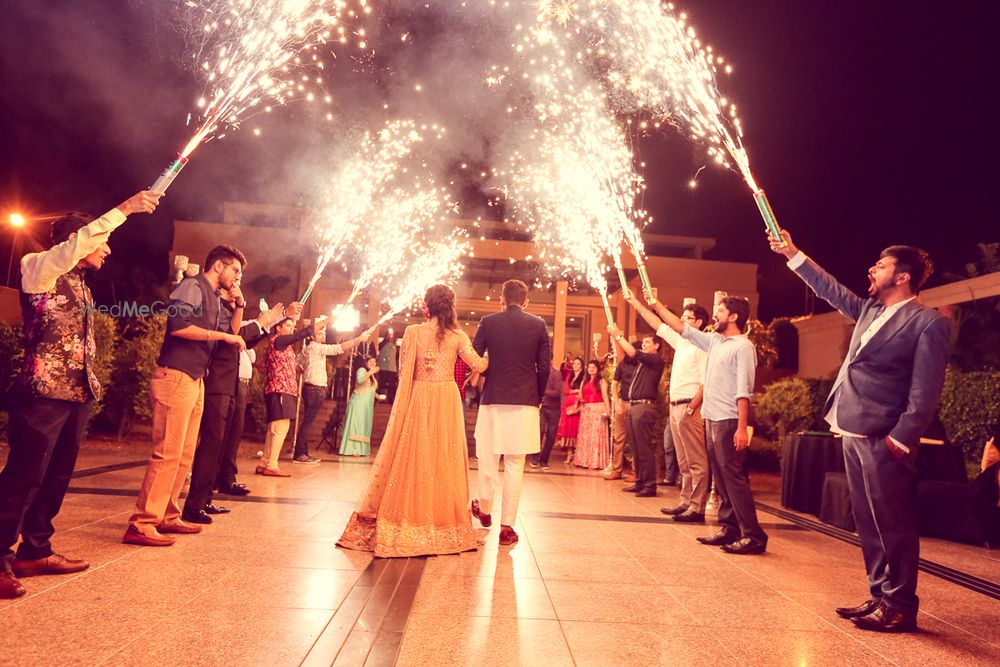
[309,290]
[766,212]
[169,174]
[626,292]
[645,280]
[607,309]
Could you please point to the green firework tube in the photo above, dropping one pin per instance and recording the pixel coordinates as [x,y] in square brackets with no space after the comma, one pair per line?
[625,290]
[607,309]
[169,174]
[305,295]
[645,279]
[766,212]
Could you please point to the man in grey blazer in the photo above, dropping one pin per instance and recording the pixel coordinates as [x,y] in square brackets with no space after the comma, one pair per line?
[884,396]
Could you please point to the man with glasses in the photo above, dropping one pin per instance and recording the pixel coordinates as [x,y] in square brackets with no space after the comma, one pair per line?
[197,323]
[687,377]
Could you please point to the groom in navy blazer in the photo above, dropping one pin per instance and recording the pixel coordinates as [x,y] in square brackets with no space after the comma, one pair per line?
[884,396]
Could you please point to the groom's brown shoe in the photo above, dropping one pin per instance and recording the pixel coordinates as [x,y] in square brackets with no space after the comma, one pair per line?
[484,519]
[507,536]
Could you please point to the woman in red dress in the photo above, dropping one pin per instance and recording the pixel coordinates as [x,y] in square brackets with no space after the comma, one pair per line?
[569,420]
[593,441]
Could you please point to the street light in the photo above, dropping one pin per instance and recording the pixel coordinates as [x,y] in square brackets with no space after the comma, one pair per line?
[16,221]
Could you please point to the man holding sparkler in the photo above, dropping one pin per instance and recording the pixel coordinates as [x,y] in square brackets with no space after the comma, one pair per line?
[882,400]
[50,399]
[687,375]
[645,366]
[508,423]
[196,323]
[730,367]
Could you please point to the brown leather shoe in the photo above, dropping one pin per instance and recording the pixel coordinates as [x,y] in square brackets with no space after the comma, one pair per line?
[179,526]
[484,519]
[886,619]
[272,472]
[613,474]
[133,536]
[10,587]
[863,609]
[507,536]
[54,564]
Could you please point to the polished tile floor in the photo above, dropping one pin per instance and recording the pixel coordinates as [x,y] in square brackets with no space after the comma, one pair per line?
[597,579]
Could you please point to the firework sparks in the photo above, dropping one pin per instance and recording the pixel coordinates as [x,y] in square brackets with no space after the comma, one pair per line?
[655,62]
[357,187]
[252,54]
[431,262]
[578,187]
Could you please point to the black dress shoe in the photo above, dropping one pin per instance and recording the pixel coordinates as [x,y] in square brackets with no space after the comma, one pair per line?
[720,538]
[646,492]
[886,619]
[675,510]
[746,546]
[863,609]
[198,517]
[235,489]
[689,517]
[212,508]
[631,489]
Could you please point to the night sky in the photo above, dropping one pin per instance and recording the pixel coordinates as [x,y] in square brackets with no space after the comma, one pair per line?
[868,123]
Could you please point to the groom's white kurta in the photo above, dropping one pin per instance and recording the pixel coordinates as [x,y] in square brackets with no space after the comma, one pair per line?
[511,431]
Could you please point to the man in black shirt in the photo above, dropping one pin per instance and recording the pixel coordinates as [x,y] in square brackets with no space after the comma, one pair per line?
[641,392]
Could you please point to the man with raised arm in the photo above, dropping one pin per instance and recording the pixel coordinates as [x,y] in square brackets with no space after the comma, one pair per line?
[882,400]
[730,367]
[687,375]
[51,398]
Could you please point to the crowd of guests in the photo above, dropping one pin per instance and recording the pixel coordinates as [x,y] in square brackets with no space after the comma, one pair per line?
[882,400]
[198,392]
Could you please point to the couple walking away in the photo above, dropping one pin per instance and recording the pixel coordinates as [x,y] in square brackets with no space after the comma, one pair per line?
[417,500]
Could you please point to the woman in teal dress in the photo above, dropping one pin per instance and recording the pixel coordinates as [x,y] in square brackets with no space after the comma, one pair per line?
[357,436]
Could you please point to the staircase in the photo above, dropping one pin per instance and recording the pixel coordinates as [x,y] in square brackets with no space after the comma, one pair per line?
[379,423]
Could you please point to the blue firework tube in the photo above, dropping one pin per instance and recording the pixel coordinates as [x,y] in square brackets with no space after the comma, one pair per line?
[766,212]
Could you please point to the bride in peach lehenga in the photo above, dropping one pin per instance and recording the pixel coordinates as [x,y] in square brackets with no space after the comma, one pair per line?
[417,501]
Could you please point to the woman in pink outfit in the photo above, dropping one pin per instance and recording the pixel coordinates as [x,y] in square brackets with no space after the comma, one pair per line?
[593,443]
[569,420]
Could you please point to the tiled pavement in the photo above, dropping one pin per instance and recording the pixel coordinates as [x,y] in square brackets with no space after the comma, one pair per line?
[597,579]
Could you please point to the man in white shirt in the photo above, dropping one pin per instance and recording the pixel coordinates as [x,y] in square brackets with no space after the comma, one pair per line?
[312,360]
[882,400]
[51,398]
[687,377]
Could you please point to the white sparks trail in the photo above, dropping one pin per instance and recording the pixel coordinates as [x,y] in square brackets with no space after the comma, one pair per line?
[255,53]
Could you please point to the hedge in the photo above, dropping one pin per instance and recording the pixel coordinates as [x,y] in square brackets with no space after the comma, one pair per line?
[970,409]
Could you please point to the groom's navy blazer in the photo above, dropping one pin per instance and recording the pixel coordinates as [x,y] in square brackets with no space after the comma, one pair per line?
[892,386]
[520,356]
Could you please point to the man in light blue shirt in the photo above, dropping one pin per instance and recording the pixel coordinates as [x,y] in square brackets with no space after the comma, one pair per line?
[729,376]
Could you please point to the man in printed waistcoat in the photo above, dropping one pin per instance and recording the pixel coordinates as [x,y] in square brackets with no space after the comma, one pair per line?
[50,399]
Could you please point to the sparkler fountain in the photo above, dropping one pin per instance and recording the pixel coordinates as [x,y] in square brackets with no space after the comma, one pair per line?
[249,54]
[655,62]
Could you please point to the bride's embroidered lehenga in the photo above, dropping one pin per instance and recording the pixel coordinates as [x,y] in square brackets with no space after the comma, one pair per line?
[417,501]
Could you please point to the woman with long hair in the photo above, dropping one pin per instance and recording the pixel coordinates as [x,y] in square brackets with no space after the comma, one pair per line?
[417,500]
[593,442]
[569,420]
[357,434]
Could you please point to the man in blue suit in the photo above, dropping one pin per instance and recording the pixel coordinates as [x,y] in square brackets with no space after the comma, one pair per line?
[884,396]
